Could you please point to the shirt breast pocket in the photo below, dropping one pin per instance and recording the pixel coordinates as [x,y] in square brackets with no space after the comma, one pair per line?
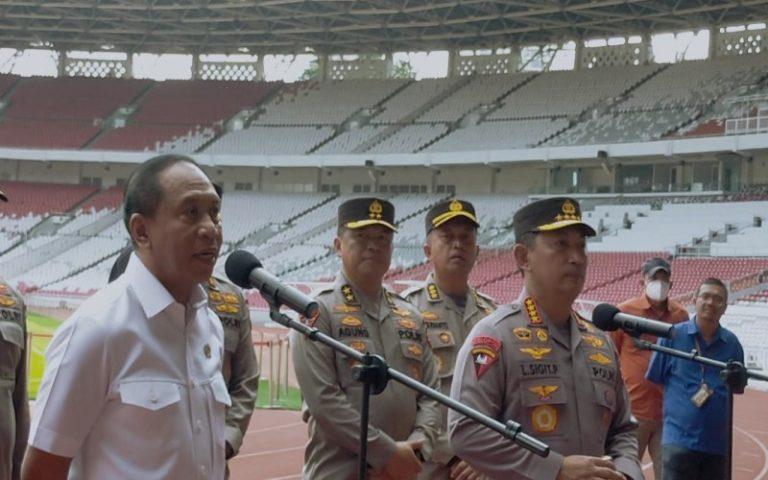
[605,395]
[414,357]
[152,396]
[444,349]
[346,365]
[545,403]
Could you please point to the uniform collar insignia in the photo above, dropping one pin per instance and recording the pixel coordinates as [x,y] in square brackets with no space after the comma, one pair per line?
[349,295]
[533,312]
[432,292]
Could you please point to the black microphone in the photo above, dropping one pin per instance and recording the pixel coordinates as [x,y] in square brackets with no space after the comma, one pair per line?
[245,271]
[609,318]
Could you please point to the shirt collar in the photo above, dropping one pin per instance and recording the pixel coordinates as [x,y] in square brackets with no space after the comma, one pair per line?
[151,293]
[371,306]
[691,328]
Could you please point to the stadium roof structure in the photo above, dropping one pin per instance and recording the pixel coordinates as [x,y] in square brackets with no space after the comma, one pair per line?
[346,26]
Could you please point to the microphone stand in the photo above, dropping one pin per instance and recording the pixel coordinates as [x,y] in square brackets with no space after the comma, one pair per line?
[734,375]
[374,373]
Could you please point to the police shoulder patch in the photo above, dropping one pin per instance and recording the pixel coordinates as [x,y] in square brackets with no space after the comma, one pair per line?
[485,352]
[310,321]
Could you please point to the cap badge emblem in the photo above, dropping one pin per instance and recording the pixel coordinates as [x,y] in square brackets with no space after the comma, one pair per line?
[375,209]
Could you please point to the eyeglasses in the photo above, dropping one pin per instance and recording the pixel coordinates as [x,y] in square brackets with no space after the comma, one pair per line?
[716,299]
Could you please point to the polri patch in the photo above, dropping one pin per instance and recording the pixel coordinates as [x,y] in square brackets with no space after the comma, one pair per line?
[485,352]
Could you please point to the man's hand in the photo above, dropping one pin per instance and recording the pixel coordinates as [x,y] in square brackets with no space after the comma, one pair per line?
[462,471]
[403,464]
[581,467]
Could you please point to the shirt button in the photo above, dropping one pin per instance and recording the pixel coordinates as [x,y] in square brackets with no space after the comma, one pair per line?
[199,426]
[152,398]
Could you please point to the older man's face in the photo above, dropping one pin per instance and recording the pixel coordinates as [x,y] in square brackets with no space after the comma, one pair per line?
[185,231]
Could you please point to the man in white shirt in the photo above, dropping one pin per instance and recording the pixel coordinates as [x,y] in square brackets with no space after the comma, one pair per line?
[133,385]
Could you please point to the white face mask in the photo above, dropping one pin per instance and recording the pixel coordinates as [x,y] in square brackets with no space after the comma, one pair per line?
[657,290]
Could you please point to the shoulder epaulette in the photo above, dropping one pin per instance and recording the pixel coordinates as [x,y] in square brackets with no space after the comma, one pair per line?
[411,290]
[503,312]
[485,297]
[321,291]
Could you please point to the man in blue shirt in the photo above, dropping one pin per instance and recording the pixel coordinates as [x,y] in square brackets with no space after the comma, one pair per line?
[695,438]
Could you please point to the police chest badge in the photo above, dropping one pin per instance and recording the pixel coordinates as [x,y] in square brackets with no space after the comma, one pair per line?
[485,352]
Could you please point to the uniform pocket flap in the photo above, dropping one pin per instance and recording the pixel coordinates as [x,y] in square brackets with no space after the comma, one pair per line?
[412,350]
[439,338]
[548,391]
[150,395]
[220,392]
[605,395]
[12,333]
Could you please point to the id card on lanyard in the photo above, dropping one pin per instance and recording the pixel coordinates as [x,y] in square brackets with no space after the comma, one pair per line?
[705,391]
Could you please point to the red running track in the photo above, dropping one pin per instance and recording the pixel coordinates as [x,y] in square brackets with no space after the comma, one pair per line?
[274,445]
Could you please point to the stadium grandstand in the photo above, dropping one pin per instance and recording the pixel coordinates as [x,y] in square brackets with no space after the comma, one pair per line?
[653,114]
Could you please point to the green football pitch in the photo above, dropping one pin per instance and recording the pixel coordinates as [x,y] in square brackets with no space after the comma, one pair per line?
[40,328]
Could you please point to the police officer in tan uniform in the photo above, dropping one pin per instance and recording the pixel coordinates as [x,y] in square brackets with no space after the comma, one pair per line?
[359,312]
[540,364]
[450,308]
[14,409]
[240,368]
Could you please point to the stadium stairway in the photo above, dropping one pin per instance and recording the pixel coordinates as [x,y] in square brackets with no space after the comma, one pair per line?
[260,236]
[253,116]
[586,114]
[109,123]
[82,269]
[409,119]
[359,115]
[57,246]
[477,109]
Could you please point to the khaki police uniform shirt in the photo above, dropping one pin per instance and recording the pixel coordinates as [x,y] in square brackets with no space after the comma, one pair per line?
[390,327]
[567,392]
[447,326]
[240,369]
[14,410]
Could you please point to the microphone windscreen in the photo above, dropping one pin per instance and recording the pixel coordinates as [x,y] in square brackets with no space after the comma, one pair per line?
[239,266]
[603,315]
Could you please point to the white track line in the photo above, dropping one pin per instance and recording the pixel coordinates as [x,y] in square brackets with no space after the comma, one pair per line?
[761,474]
[289,477]
[268,452]
[278,427]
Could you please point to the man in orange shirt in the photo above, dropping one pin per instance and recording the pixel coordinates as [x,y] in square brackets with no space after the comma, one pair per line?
[646,397]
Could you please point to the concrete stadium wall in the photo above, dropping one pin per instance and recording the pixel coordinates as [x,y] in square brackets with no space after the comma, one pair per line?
[529,177]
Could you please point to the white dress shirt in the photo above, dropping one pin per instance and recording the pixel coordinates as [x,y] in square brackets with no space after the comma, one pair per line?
[133,386]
